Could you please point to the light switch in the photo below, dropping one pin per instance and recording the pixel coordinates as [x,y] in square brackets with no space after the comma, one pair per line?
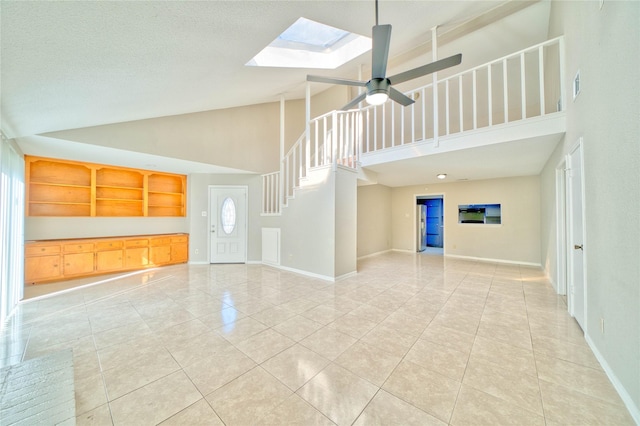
[204,213]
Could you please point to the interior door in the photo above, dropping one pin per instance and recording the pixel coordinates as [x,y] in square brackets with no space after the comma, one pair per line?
[434,222]
[228,224]
[576,248]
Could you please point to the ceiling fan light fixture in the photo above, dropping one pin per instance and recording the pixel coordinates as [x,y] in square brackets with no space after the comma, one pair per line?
[442,176]
[377,91]
[377,98]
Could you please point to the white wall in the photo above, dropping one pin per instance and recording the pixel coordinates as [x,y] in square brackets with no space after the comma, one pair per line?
[604,44]
[220,137]
[318,227]
[517,239]
[374,219]
[346,219]
[48,228]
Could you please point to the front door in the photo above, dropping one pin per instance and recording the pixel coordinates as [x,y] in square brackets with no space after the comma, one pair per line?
[577,294]
[228,224]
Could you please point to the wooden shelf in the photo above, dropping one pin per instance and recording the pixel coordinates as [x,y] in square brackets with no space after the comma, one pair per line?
[68,188]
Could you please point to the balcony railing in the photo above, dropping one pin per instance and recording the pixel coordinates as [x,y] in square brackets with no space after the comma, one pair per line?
[519,86]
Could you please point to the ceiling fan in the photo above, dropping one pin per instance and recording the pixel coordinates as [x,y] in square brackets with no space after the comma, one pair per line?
[379,88]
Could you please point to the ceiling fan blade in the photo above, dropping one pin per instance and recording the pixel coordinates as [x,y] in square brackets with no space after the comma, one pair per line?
[380,55]
[329,80]
[400,97]
[355,101]
[426,69]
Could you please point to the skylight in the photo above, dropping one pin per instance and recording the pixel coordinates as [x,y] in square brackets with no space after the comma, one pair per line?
[310,44]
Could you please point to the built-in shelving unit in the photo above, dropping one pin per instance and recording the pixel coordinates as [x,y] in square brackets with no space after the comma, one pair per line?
[69,188]
[166,195]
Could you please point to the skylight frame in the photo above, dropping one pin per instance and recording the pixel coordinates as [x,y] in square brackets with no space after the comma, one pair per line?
[291,51]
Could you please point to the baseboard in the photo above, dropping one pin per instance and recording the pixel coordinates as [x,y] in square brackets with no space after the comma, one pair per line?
[312,274]
[198,262]
[403,251]
[378,253]
[624,395]
[503,261]
[345,276]
[254,262]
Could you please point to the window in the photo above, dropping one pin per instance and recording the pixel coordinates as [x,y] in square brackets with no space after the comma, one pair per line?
[310,44]
[480,213]
[228,215]
[11,230]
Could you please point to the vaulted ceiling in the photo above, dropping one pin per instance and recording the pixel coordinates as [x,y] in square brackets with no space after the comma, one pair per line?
[67,65]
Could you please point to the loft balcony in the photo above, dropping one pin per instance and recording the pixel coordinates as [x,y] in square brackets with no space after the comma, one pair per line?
[503,118]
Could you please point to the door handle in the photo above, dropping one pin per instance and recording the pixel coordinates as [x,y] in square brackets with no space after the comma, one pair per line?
[577,247]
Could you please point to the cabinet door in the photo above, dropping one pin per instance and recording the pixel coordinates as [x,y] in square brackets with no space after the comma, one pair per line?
[160,255]
[137,257]
[179,252]
[39,268]
[109,260]
[78,263]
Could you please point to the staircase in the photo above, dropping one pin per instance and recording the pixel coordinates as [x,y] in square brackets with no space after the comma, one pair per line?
[519,89]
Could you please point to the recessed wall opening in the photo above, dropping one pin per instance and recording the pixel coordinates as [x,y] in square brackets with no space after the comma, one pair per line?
[430,224]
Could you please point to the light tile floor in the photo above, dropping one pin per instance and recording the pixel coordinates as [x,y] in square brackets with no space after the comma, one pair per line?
[412,339]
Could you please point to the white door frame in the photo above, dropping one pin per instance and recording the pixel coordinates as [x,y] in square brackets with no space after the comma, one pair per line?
[561,228]
[569,224]
[214,214]
[415,220]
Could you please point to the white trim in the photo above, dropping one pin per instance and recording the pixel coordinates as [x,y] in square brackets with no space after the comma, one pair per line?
[253,262]
[504,261]
[313,275]
[91,284]
[619,387]
[404,251]
[374,254]
[560,284]
[570,300]
[198,262]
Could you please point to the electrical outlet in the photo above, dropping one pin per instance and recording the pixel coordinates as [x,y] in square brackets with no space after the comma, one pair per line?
[602,325]
[197,251]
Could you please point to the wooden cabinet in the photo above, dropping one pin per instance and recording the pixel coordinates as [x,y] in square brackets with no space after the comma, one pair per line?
[137,257]
[78,258]
[63,259]
[42,261]
[160,250]
[78,263]
[179,249]
[110,260]
[137,253]
[68,188]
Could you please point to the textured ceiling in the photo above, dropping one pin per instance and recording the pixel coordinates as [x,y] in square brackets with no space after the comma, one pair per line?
[75,64]
[67,65]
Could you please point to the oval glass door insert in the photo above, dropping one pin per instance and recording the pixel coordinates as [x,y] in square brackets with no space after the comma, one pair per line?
[228,215]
